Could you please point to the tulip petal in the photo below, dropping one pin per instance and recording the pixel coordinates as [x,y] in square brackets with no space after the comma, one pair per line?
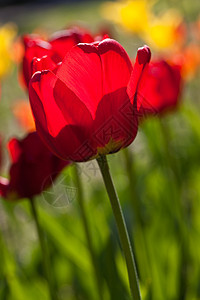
[34,47]
[81,72]
[159,88]
[60,116]
[93,70]
[141,62]
[116,65]
[115,125]
[42,64]
[43,84]
[15,150]
[63,41]
[33,170]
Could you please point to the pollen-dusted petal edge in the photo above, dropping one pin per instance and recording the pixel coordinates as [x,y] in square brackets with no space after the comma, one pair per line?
[84,108]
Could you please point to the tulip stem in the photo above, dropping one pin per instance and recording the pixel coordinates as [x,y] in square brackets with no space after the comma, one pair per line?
[122,229]
[88,232]
[44,250]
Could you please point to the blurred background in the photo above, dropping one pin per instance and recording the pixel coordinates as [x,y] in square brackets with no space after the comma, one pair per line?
[157,179]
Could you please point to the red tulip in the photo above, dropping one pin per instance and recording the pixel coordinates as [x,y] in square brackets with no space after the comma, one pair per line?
[159,88]
[43,63]
[56,48]
[85,107]
[63,41]
[33,168]
[34,47]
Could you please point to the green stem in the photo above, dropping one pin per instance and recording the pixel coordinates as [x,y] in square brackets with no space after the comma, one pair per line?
[88,234]
[44,250]
[123,233]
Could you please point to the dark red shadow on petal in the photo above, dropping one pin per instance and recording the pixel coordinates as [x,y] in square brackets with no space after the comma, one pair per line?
[72,143]
[115,120]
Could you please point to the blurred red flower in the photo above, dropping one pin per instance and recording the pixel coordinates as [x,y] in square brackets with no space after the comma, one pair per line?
[85,107]
[33,168]
[56,47]
[159,88]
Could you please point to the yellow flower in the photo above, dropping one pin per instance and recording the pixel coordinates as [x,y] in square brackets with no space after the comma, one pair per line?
[7,35]
[162,32]
[132,15]
[137,16]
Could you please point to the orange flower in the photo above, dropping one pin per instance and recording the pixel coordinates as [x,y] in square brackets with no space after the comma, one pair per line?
[22,111]
[189,58]
[165,31]
[18,51]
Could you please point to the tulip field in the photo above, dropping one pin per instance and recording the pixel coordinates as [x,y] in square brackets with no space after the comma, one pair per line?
[100,151]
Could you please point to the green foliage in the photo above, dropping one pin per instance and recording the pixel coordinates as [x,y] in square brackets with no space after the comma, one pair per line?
[163,216]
